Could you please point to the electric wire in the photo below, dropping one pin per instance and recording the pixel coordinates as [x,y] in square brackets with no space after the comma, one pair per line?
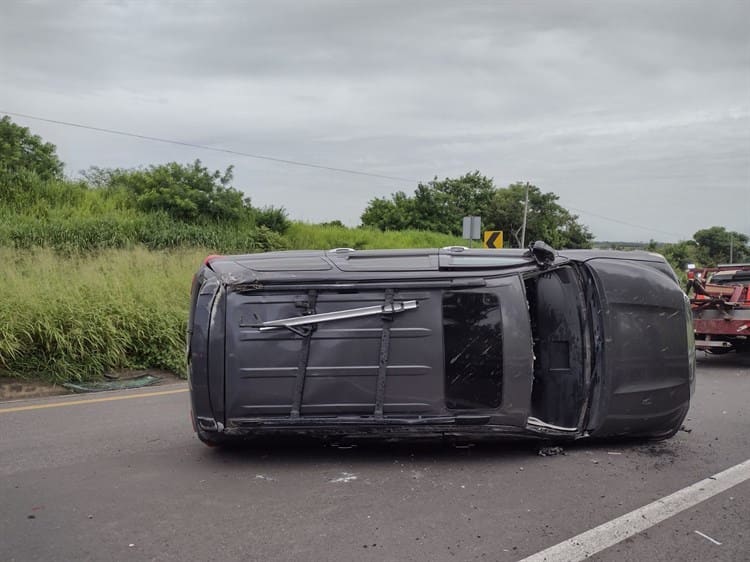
[207,147]
[618,221]
[289,162]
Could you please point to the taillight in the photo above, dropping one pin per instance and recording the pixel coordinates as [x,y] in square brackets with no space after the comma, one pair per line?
[211,257]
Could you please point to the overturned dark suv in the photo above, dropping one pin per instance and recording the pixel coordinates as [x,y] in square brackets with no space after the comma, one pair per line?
[453,343]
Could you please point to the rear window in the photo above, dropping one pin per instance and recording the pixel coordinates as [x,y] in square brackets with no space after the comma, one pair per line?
[472,332]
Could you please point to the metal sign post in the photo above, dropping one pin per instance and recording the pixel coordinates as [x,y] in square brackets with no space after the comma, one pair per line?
[472,229]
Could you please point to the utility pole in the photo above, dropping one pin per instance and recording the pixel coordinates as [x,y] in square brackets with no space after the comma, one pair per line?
[731,247]
[525,212]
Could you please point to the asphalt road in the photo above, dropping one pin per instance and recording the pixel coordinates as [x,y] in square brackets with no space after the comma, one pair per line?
[126,479]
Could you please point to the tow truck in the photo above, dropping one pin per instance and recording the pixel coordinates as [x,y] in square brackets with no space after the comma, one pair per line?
[721,307]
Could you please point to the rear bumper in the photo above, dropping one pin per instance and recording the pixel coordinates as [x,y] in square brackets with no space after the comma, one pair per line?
[730,331]
[733,326]
[713,344]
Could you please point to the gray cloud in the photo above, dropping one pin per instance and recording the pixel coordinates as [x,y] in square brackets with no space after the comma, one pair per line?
[635,111]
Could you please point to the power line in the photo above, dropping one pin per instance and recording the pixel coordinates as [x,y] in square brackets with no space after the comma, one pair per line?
[286,161]
[212,148]
[585,212]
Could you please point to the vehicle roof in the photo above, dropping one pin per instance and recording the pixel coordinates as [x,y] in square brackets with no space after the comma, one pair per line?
[346,263]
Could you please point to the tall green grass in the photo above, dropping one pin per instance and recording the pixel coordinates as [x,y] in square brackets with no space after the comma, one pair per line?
[25,193]
[83,234]
[301,236]
[92,285]
[71,217]
[76,318]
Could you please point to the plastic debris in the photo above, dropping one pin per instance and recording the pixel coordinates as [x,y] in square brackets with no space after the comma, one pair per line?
[717,543]
[345,477]
[550,451]
[99,386]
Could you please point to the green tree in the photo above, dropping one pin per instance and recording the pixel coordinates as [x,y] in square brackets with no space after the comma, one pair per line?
[546,219]
[438,205]
[680,254]
[22,151]
[189,192]
[715,243]
[441,205]
[394,214]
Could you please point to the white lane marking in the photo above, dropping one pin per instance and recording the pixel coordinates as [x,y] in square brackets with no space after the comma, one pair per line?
[612,532]
[708,538]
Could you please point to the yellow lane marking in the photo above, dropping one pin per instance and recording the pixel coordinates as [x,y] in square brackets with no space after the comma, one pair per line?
[90,401]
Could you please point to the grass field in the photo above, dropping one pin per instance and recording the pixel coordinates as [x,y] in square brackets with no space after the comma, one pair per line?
[73,319]
[73,315]
[93,284]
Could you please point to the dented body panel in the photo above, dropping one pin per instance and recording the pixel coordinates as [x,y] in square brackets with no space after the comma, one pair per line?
[439,343]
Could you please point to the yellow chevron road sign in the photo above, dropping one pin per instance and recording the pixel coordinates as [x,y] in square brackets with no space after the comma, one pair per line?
[493,239]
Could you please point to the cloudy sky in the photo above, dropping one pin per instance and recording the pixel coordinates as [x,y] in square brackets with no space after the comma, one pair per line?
[637,114]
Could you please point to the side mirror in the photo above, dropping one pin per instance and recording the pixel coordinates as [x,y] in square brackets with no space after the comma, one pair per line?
[543,254]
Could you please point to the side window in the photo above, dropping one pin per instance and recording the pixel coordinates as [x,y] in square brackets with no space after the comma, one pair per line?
[472,332]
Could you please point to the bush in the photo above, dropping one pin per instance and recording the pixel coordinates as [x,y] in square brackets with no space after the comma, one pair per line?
[187,192]
[273,218]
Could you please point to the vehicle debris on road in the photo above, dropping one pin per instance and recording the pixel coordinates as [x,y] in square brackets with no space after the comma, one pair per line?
[550,451]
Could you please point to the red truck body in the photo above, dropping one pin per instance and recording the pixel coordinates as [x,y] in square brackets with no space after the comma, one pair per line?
[721,307]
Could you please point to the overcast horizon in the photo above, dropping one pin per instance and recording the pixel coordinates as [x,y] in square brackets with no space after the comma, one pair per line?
[636,115]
